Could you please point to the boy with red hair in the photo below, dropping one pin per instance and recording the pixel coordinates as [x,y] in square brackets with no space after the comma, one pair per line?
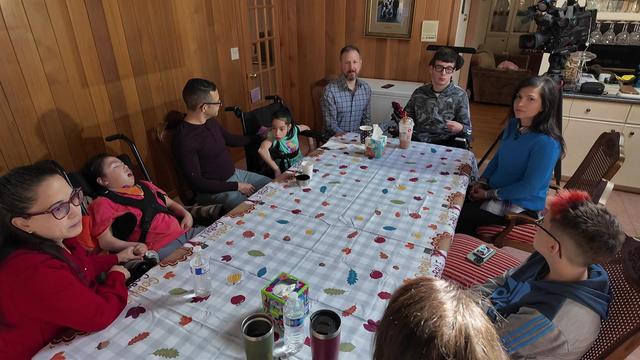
[551,306]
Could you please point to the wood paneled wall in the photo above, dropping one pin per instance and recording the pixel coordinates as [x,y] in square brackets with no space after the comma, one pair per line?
[314,31]
[76,71]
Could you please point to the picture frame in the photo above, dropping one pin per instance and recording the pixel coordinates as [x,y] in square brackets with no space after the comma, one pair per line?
[389,18]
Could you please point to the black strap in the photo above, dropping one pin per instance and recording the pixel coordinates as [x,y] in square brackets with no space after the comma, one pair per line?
[148,205]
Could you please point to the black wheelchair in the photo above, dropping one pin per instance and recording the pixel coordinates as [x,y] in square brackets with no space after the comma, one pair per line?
[253,120]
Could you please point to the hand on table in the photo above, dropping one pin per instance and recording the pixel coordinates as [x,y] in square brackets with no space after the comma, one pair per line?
[129,254]
[246,189]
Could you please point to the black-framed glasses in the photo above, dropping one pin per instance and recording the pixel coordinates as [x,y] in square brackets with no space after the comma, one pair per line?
[60,210]
[552,236]
[219,102]
[447,69]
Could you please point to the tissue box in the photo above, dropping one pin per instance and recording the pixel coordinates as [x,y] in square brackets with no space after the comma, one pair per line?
[273,295]
[375,148]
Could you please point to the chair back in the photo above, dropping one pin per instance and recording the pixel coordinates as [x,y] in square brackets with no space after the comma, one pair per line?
[603,161]
[618,335]
[317,92]
[164,134]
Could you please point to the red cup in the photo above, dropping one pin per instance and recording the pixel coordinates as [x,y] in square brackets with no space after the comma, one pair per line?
[325,335]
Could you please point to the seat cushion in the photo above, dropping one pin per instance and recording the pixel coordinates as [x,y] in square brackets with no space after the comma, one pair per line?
[483,59]
[520,233]
[459,269]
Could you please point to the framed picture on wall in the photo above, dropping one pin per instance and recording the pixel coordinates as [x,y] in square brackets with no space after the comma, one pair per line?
[389,18]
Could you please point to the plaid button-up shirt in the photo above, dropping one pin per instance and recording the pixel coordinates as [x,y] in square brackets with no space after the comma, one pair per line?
[345,110]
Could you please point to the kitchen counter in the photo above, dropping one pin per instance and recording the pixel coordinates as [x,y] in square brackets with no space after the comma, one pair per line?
[611,95]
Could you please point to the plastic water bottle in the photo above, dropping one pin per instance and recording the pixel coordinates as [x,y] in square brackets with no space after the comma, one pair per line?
[294,315]
[200,270]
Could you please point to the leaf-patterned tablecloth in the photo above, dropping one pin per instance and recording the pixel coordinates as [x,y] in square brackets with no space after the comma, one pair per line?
[354,234]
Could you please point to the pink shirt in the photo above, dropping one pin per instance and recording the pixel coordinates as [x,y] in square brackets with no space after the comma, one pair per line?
[164,229]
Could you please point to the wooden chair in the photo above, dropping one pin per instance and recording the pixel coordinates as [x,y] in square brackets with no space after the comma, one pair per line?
[601,163]
[619,335]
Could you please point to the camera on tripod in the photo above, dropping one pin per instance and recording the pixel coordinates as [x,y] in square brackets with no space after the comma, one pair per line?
[561,30]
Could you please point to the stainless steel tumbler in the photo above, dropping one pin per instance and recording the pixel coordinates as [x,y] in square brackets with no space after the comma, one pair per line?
[257,331]
[325,335]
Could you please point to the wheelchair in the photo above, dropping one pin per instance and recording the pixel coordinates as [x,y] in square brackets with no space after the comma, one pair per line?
[253,120]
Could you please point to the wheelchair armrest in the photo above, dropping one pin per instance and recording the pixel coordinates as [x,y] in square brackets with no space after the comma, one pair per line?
[235,109]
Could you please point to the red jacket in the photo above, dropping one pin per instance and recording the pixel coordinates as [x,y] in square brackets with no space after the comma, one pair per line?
[41,296]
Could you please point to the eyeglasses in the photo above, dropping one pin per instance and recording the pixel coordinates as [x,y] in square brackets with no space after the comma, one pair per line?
[219,102]
[553,237]
[448,69]
[61,210]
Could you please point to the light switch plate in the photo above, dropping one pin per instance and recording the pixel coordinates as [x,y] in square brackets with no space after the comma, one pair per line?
[429,31]
[235,54]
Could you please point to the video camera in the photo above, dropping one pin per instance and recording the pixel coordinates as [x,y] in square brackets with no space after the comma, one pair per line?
[561,30]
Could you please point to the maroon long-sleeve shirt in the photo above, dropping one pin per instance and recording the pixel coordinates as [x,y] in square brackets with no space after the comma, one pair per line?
[201,153]
[41,296]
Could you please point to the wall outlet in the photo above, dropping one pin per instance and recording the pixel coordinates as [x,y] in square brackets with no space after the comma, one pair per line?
[235,53]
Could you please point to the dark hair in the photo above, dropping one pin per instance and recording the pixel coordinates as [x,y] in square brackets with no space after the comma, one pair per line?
[430,318]
[18,188]
[448,55]
[284,113]
[196,92]
[348,48]
[93,169]
[595,233]
[545,121]
[172,119]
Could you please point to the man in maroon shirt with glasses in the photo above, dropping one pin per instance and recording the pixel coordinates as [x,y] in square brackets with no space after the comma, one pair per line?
[200,148]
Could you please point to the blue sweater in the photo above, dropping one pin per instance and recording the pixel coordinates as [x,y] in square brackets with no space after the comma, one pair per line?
[522,167]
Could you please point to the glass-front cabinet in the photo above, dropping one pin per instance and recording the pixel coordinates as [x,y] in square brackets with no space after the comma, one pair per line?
[509,20]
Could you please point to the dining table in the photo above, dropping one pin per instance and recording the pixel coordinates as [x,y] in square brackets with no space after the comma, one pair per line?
[355,233]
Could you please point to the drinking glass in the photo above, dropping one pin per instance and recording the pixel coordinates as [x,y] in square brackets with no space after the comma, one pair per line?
[623,36]
[596,35]
[634,37]
[609,37]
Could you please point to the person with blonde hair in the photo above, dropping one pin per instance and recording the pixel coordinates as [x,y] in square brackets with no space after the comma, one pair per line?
[430,318]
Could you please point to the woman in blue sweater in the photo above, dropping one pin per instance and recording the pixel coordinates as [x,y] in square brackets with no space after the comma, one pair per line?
[517,178]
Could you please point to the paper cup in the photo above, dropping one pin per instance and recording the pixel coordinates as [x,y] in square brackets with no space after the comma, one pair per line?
[303,180]
[307,168]
[365,131]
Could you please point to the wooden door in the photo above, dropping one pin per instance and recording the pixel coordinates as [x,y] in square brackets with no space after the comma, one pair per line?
[261,51]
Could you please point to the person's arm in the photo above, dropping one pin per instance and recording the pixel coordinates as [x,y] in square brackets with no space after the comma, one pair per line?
[410,107]
[186,155]
[330,111]
[491,167]
[366,115]
[543,158]
[111,243]
[266,156]
[179,211]
[232,139]
[56,295]
[463,116]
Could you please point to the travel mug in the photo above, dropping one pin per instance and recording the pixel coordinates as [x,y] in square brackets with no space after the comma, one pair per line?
[325,335]
[257,331]
[365,131]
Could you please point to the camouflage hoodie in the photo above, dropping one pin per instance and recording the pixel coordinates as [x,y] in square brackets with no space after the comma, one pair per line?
[430,112]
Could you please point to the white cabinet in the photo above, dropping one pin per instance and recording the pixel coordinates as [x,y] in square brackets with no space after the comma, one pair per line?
[629,174]
[579,135]
[585,119]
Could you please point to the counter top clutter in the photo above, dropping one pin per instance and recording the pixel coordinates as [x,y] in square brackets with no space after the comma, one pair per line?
[353,234]
[612,94]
